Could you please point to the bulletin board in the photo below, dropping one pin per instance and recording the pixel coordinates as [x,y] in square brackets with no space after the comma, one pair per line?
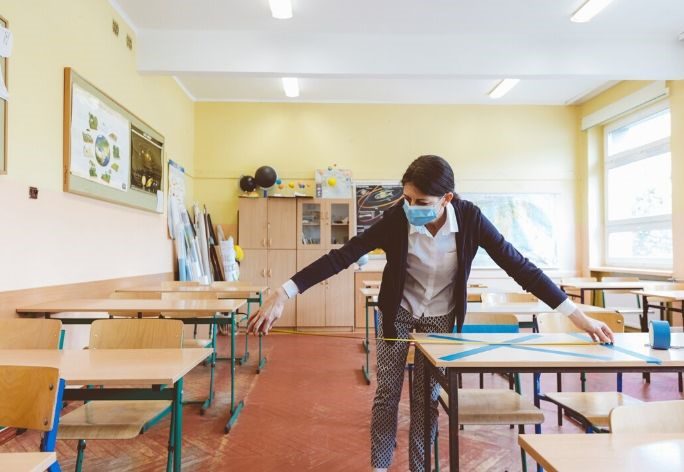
[109,153]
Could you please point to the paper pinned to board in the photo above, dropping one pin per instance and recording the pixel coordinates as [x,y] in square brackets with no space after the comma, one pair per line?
[160,201]
[6,40]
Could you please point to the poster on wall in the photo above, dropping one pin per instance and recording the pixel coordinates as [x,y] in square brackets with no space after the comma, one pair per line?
[526,220]
[372,199]
[333,183]
[146,162]
[100,141]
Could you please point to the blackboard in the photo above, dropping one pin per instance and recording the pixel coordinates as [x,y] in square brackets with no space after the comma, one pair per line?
[372,199]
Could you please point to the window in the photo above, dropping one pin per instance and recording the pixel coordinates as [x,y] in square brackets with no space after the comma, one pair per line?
[638,190]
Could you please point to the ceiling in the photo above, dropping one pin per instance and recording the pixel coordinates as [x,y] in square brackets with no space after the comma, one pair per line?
[405,51]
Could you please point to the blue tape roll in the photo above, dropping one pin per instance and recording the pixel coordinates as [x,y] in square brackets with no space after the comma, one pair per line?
[659,334]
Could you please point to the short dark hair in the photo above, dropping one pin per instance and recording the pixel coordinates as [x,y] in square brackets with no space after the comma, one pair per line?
[431,174]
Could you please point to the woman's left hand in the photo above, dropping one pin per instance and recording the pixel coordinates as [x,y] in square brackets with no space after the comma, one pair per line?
[598,330]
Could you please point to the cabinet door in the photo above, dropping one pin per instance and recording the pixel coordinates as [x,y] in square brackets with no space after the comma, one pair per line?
[254,267]
[282,264]
[252,229]
[310,224]
[339,297]
[310,304]
[340,220]
[282,223]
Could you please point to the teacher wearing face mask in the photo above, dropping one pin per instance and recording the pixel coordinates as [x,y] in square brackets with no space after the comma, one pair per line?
[430,240]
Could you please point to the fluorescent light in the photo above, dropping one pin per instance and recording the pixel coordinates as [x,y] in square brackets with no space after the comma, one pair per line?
[503,87]
[590,9]
[281,9]
[291,86]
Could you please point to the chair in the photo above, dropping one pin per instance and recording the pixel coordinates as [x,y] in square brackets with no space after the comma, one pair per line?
[31,399]
[632,311]
[591,409]
[30,333]
[570,280]
[223,329]
[125,419]
[502,298]
[493,406]
[652,417]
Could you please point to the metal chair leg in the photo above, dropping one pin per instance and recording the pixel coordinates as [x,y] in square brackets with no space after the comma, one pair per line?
[80,455]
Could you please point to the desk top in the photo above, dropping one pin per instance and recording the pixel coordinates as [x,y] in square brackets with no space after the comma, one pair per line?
[633,285]
[220,288]
[27,461]
[673,295]
[525,308]
[606,452]
[527,350]
[179,307]
[111,366]
[371,283]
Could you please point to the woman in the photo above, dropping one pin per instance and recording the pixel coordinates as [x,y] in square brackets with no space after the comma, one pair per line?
[430,242]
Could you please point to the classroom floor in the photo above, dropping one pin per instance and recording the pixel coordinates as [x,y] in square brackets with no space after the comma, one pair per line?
[310,410]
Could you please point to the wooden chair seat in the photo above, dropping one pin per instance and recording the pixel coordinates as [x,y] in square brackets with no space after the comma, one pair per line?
[195,343]
[494,407]
[27,461]
[594,406]
[110,419]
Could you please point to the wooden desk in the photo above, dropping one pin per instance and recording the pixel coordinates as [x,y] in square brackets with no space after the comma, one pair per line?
[27,461]
[606,452]
[583,287]
[136,369]
[223,290]
[664,296]
[185,310]
[518,353]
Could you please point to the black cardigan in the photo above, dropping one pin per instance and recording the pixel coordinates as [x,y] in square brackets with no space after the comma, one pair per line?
[391,235]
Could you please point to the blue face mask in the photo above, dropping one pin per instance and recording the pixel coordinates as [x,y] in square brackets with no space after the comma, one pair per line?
[420,215]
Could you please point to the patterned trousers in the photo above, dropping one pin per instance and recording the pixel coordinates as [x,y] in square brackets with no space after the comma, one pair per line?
[390,377]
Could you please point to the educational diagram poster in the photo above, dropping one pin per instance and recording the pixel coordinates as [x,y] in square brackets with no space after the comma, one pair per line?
[100,141]
[146,162]
[334,182]
[372,199]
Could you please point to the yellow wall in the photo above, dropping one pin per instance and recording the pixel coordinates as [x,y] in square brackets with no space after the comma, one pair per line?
[590,145]
[492,148]
[63,238]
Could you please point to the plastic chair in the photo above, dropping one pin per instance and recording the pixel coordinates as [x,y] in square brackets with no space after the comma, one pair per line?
[653,417]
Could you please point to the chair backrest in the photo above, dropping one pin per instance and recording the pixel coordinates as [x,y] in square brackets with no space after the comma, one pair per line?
[169,284]
[29,333]
[499,298]
[490,323]
[29,396]
[149,333]
[650,417]
[560,323]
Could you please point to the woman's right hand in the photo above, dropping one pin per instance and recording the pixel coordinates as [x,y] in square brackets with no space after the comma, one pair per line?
[268,313]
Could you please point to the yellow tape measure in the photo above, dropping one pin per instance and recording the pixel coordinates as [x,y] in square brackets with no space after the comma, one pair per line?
[455,342]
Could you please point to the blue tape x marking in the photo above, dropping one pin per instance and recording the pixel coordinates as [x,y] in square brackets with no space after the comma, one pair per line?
[629,352]
[477,350]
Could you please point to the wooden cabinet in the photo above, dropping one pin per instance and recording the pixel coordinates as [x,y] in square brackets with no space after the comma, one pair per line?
[267,223]
[323,223]
[271,268]
[282,235]
[328,303]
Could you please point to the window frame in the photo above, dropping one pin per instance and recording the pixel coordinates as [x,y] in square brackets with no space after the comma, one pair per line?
[642,152]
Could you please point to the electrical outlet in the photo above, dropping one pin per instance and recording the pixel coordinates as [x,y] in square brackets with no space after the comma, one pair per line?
[33,193]
[115,28]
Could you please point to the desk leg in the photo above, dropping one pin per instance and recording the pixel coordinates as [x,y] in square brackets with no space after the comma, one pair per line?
[454,428]
[644,328]
[262,358]
[177,425]
[245,355]
[234,409]
[366,346]
[212,361]
[582,296]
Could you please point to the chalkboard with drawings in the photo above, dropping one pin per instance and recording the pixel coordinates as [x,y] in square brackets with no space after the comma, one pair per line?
[372,199]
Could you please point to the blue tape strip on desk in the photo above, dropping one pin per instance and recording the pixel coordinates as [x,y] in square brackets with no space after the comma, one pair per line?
[564,353]
[629,352]
[478,350]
